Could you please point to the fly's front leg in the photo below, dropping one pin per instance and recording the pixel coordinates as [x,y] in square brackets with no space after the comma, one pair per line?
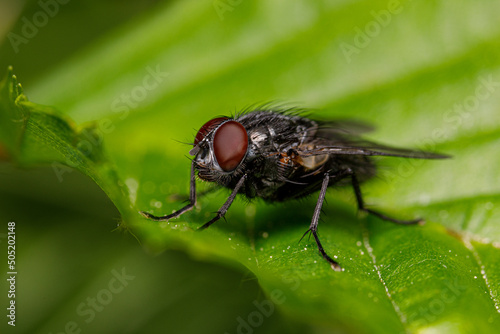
[313,228]
[188,207]
[222,211]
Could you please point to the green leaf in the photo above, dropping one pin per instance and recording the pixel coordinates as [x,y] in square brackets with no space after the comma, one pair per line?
[36,134]
[426,74]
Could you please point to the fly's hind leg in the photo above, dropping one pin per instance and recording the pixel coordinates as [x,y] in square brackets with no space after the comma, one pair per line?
[361,205]
[313,228]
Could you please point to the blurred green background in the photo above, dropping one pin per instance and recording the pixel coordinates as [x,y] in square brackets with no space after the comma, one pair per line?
[155,71]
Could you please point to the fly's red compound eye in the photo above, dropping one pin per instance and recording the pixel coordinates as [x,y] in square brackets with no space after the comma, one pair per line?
[230,145]
[207,127]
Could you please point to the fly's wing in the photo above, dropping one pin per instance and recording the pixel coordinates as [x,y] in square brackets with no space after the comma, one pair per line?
[343,138]
[345,127]
[369,149]
[380,151]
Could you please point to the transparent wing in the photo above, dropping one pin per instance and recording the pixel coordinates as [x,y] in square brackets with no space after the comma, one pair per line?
[368,148]
[343,127]
[343,138]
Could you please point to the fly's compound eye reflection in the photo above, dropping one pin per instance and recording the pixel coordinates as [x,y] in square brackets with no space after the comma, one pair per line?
[207,128]
[278,155]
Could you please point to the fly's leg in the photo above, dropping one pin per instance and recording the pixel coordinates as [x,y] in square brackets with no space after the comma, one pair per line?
[222,211]
[361,205]
[200,194]
[188,207]
[313,228]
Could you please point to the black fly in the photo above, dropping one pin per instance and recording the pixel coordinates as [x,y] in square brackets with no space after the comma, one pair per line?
[279,155]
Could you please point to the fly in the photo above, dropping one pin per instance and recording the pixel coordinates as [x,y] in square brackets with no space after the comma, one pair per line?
[278,155]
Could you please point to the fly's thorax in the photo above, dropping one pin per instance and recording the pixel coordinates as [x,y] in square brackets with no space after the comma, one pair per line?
[274,140]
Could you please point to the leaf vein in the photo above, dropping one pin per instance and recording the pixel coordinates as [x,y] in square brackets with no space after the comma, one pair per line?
[474,252]
[369,249]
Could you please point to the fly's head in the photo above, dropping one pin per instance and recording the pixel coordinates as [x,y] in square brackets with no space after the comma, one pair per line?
[220,149]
